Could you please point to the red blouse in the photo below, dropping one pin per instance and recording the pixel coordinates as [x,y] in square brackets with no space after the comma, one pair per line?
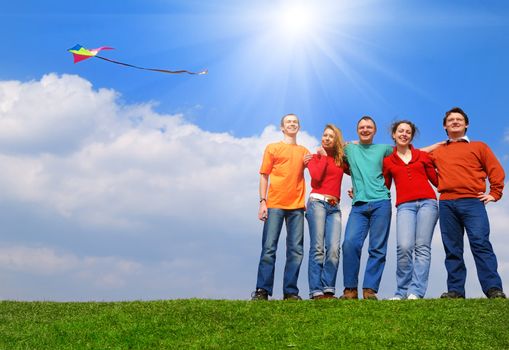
[412,179]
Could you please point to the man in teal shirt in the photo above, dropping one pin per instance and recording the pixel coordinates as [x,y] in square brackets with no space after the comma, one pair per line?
[371,212]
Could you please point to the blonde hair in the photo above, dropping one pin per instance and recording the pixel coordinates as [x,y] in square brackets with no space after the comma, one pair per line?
[338,151]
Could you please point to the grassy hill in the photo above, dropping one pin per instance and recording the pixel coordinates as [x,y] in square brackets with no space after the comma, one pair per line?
[221,324]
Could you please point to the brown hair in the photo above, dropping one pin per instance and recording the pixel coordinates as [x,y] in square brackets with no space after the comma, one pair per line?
[339,144]
[395,125]
[456,110]
[366,117]
[286,115]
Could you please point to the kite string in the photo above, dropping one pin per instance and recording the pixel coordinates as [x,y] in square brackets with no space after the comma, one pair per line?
[153,69]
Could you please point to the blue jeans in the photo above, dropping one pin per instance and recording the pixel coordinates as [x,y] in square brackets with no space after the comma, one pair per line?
[467,214]
[415,224]
[375,218]
[324,222]
[294,220]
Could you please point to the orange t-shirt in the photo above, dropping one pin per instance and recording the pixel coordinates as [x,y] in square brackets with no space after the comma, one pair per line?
[285,166]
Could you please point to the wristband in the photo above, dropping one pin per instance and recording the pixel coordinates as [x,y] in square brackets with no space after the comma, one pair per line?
[262,199]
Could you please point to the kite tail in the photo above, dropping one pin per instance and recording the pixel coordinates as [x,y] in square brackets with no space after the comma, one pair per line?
[154,69]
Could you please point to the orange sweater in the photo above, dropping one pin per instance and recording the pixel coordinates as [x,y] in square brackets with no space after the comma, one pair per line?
[463,168]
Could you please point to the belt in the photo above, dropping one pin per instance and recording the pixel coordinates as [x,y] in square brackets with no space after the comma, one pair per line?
[326,198]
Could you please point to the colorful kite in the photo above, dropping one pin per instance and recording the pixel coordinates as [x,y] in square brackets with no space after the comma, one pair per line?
[80,54]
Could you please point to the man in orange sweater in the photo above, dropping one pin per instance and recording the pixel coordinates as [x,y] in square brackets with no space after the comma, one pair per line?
[463,167]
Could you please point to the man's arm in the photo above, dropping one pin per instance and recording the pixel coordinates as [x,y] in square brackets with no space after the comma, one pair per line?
[496,177]
[387,174]
[264,184]
[432,147]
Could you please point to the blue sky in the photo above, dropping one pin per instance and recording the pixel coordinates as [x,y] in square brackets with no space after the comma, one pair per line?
[126,184]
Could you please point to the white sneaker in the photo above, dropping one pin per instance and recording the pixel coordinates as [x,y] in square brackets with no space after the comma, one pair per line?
[413,297]
[396,297]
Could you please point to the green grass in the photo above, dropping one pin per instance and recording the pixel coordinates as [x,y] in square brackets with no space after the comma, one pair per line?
[220,324]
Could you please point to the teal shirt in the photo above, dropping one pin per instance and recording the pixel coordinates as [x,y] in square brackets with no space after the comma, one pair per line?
[365,162]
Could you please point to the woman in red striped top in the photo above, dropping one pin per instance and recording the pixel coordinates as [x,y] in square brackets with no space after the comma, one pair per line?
[324,215]
[417,210]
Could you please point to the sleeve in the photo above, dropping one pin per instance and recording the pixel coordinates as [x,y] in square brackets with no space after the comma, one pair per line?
[431,155]
[345,166]
[317,167]
[267,161]
[429,168]
[495,172]
[388,150]
[387,173]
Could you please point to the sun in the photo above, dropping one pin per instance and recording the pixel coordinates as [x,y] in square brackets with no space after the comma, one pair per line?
[296,21]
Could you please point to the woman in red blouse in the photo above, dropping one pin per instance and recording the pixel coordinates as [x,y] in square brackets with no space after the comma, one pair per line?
[324,215]
[417,210]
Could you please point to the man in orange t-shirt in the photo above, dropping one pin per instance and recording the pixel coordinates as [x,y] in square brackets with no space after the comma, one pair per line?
[282,168]
[463,167]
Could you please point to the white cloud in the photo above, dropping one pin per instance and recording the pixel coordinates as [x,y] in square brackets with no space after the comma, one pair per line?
[37,260]
[54,114]
[159,165]
[103,272]
[128,203]
[121,171]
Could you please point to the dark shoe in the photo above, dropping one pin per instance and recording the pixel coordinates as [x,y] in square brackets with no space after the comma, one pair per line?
[329,295]
[349,293]
[291,297]
[452,295]
[260,294]
[369,294]
[323,296]
[318,297]
[495,293]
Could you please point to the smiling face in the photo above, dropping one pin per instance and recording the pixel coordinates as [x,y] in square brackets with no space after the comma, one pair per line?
[290,125]
[328,138]
[366,130]
[455,125]
[403,134]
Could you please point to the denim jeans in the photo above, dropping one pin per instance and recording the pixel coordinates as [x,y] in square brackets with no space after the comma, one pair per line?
[415,224]
[324,222]
[375,218]
[294,220]
[467,214]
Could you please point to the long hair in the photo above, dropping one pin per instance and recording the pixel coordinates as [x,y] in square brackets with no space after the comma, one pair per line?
[339,144]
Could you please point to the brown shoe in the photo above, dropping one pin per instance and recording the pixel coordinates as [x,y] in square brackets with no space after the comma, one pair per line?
[329,295]
[349,293]
[369,294]
[319,297]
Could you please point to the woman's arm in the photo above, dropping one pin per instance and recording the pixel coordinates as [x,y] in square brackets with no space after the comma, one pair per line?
[430,170]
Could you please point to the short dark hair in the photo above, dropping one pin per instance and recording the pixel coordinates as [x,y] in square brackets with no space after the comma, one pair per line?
[286,115]
[456,110]
[366,117]
[395,125]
